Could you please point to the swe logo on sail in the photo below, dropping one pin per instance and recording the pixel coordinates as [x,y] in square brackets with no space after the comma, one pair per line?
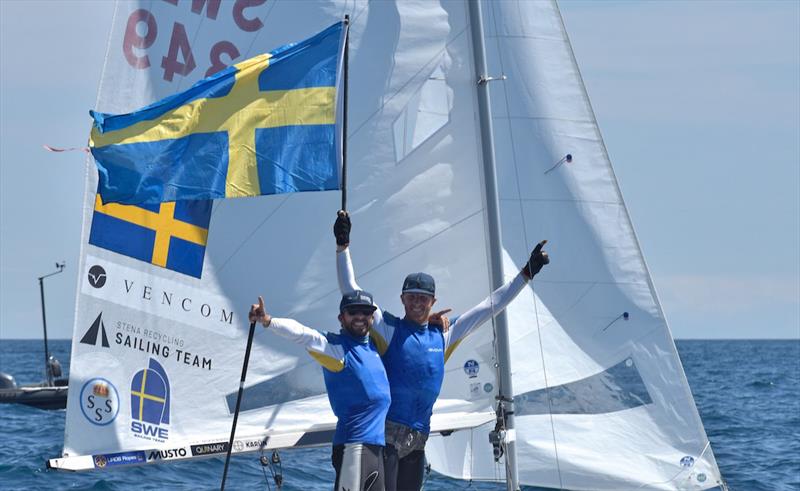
[150,401]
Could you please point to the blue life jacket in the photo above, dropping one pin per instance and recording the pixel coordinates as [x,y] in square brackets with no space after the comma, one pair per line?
[359,393]
[414,362]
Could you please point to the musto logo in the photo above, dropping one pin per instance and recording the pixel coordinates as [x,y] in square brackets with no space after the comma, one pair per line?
[150,400]
[99,401]
[169,454]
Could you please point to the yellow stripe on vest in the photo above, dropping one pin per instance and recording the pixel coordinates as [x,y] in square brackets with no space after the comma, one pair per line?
[327,362]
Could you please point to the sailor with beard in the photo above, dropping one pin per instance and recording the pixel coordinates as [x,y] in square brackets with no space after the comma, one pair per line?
[358,388]
[414,351]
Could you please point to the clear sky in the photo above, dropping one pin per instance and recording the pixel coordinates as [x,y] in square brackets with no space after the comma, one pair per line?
[698,103]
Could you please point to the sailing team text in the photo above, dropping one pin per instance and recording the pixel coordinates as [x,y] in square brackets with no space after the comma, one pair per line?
[140,342]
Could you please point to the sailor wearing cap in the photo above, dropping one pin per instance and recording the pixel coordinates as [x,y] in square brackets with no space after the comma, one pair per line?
[358,388]
[414,353]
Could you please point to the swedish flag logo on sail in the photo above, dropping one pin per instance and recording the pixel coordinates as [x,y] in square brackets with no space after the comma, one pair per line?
[150,395]
[171,235]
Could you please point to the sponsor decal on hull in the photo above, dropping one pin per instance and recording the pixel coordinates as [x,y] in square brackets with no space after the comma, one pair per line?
[209,448]
[120,458]
[167,454]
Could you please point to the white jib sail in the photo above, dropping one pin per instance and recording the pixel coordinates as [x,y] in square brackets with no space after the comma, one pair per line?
[601,398]
[596,408]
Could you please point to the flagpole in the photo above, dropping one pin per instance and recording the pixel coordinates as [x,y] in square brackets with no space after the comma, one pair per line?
[344,110]
[238,403]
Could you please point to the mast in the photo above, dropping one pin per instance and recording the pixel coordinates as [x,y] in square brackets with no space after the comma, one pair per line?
[505,404]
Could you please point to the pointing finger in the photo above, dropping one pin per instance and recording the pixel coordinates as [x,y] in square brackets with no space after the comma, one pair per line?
[442,312]
[539,246]
[261,302]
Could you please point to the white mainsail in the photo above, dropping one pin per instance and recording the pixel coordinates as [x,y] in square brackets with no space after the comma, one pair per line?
[597,407]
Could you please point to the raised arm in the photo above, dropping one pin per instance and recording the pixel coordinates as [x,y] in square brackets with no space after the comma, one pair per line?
[330,356]
[465,324]
[344,272]
[381,332]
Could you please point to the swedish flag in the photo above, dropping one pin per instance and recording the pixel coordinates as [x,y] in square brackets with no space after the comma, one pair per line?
[263,126]
[170,235]
[150,394]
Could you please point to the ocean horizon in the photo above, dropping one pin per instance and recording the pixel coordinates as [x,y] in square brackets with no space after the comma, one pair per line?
[747,392]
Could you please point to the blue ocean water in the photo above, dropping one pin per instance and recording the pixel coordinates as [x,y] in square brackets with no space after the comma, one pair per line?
[747,392]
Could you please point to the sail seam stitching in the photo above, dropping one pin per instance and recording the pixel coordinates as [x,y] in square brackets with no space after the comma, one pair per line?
[579,282]
[523,36]
[563,200]
[543,118]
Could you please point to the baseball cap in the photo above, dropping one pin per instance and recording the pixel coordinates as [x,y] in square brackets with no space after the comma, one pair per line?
[357,298]
[419,283]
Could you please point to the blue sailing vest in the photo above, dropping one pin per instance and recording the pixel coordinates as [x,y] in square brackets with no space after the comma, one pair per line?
[414,362]
[359,393]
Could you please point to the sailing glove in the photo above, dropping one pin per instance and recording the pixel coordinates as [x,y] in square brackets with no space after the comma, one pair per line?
[341,229]
[537,260]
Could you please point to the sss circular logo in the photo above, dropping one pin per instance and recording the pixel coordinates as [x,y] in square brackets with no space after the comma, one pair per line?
[97,276]
[99,401]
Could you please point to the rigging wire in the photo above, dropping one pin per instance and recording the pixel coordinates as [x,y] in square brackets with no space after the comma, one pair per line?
[526,242]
